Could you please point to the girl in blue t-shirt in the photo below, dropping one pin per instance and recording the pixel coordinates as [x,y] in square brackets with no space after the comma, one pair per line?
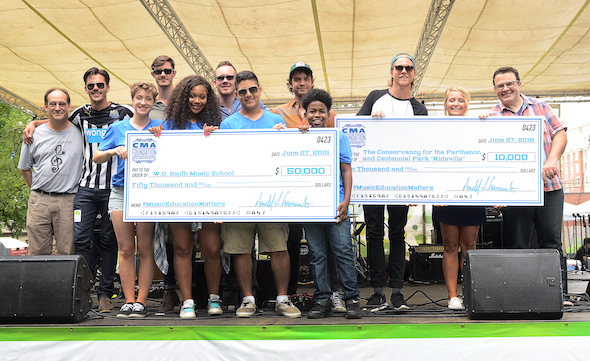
[113,144]
[194,106]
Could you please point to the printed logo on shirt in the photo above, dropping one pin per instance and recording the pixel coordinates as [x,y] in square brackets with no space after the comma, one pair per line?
[114,114]
[95,135]
[356,135]
[143,150]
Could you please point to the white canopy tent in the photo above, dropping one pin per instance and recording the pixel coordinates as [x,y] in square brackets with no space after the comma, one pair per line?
[348,43]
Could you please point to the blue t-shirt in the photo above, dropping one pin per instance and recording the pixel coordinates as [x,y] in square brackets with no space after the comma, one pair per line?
[345,157]
[115,137]
[167,125]
[238,121]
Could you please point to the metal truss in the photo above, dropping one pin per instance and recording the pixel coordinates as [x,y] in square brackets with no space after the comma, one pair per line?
[433,26]
[8,97]
[167,19]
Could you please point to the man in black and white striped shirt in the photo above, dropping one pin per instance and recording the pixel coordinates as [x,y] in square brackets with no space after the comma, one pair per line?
[93,193]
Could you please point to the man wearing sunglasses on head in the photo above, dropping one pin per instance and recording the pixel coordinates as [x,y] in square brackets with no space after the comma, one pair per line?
[397,101]
[95,185]
[164,73]
[518,221]
[225,82]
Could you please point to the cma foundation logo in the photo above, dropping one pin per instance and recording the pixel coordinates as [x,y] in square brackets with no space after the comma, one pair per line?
[143,150]
[356,135]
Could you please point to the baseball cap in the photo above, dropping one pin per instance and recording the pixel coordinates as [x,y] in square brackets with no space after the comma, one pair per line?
[300,66]
[406,56]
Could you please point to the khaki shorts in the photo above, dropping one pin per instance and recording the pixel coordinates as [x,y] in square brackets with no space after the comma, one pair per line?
[238,238]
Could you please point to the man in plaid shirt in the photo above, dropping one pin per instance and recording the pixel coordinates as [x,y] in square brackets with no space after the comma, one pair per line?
[518,221]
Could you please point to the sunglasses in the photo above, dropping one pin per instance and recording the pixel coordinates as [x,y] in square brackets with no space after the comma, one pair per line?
[408,68]
[228,77]
[90,86]
[166,71]
[253,90]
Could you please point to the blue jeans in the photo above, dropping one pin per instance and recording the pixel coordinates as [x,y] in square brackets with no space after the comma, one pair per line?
[91,202]
[341,241]
[519,221]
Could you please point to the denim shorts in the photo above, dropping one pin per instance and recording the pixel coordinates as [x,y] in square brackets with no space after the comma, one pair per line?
[116,199]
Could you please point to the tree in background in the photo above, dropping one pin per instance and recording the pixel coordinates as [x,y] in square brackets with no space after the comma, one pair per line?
[14,192]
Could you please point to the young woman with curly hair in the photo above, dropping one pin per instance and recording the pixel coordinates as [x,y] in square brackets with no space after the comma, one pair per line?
[194,106]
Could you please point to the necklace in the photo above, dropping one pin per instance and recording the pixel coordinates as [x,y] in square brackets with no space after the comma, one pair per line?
[407,101]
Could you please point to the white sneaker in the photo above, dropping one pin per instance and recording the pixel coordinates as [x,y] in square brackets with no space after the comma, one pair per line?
[455,303]
[247,309]
[287,309]
[188,309]
[337,305]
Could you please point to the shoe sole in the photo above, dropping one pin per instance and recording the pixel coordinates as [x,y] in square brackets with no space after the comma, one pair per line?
[215,311]
[189,316]
[122,316]
[402,307]
[244,314]
[293,315]
[135,315]
[375,309]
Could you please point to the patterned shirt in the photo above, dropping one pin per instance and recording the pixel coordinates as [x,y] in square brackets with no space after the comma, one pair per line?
[551,125]
[294,119]
[94,124]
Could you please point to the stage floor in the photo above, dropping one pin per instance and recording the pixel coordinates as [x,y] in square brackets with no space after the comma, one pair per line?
[428,305]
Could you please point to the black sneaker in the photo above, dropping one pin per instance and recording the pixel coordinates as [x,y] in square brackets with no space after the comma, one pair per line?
[138,310]
[376,302]
[353,309]
[398,302]
[320,310]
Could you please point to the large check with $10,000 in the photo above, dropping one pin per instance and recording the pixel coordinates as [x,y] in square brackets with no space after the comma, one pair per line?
[232,175]
[445,160]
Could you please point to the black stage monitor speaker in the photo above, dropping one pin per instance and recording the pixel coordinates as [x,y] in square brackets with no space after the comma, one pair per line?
[44,289]
[512,284]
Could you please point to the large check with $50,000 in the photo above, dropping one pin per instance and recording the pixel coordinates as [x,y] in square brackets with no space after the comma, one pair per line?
[445,160]
[232,175]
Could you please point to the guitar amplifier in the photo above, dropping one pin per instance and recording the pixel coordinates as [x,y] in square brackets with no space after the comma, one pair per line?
[426,261]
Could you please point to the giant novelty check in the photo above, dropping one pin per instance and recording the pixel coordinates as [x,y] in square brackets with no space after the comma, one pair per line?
[445,160]
[232,175]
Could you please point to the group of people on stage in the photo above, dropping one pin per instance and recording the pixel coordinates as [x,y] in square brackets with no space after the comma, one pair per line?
[74,165]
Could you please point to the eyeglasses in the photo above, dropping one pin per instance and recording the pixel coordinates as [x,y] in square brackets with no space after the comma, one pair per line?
[408,68]
[508,85]
[166,71]
[55,104]
[90,86]
[253,90]
[228,77]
